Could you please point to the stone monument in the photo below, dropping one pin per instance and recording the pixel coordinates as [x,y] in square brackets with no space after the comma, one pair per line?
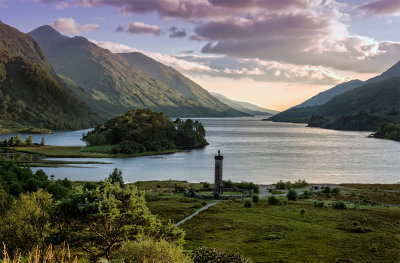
[218,173]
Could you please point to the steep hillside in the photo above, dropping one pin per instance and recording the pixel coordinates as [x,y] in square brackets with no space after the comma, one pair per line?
[303,114]
[244,106]
[109,78]
[325,96]
[363,108]
[175,80]
[30,93]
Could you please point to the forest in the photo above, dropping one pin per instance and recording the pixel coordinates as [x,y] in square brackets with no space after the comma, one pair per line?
[144,130]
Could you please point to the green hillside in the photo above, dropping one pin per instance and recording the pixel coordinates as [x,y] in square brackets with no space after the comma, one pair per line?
[376,96]
[363,108]
[30,93]
[175,80]
[108,78]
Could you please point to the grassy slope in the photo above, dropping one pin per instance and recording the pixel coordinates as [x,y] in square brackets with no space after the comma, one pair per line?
[177,81]
[280,233]
[109,78]
[28,79]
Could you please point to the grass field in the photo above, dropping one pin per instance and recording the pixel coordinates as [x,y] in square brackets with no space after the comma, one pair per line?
[81,152]
[268,233]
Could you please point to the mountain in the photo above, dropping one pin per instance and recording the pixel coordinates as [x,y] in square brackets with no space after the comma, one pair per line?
[31,95]
[325,96]
[304,111]
[175,80]
[244,106]
[363,108]
[107,78]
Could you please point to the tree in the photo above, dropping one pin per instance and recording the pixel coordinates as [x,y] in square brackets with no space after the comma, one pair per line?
[100,220]
[116,177]
[18,141]
[28,141]
[11,142]
[42,142]
[27,223]
[292,195]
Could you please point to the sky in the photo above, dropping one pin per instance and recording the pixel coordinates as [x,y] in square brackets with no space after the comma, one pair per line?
[273,53]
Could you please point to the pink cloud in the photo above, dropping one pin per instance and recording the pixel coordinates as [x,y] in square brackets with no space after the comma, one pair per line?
[382,7]
[67,25]
[139,28]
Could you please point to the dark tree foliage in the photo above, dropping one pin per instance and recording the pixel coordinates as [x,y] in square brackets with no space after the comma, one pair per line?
[242,185]
[116,177]
[143,130]
[15,180]
[388,131]
[100,220]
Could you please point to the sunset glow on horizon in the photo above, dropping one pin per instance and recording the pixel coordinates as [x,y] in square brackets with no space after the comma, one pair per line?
[275,54]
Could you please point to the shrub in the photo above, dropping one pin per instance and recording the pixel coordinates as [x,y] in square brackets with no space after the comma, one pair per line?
[339,205]
[319,204]
[248,204]
[150,250]
[292,195]
[273,200]
[280,185]
[206,185]
[355,223]
[300,184]
[302,212]
[336,191]
[207,255]
[255,199]
[326,190]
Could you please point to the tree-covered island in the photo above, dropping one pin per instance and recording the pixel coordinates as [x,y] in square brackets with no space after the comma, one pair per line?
[143,130]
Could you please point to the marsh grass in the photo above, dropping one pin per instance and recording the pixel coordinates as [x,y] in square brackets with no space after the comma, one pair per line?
[63,255]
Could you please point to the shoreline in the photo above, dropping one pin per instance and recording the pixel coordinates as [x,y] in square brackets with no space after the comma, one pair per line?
[78,152]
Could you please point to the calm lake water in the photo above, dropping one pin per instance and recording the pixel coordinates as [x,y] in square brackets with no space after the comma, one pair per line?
[254,150]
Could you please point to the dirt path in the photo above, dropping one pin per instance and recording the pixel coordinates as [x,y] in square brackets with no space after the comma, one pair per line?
[195,213]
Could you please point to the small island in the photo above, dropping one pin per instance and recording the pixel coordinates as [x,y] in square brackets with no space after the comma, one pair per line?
[138,132]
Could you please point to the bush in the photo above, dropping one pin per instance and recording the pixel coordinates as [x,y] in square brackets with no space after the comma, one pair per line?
[336,191]
[248,204]
[273,200]
[206,185]
[150,250]
[280,185]
[319,204]
[302,212]
[292,195]
[339,205]
[255,199]
[208,255]
[326,190]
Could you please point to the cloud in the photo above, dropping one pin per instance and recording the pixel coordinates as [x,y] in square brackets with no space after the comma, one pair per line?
[293,32]
[139,28]
[175,33]
[381,7]
[237,68]
[68,25]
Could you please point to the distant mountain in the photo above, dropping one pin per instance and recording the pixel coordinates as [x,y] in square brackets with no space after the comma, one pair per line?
[325,96]
[109,79]
[244,106]
[312,106]
[363,108]
[175,80]
[30,92]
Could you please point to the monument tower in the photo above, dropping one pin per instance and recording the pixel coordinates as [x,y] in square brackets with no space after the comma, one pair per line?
[218,173]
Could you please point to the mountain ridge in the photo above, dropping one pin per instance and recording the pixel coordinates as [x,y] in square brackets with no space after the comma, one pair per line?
[109,78]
